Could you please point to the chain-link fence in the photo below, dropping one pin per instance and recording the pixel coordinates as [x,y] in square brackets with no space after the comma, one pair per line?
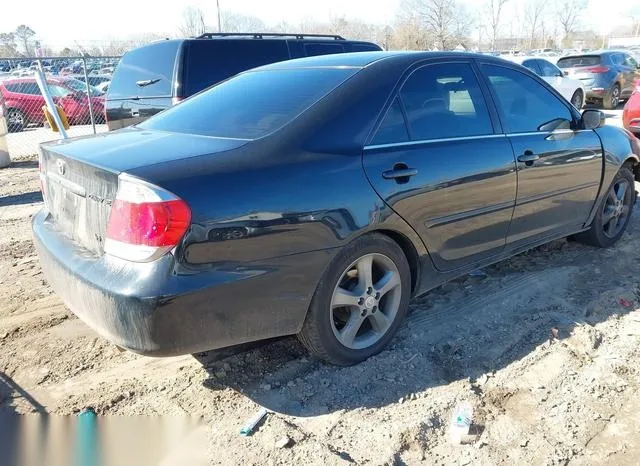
[78,85]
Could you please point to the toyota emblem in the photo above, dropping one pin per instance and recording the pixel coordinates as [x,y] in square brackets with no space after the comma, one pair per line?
[62,167]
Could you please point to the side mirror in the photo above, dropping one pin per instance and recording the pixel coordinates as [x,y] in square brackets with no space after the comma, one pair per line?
[592,119]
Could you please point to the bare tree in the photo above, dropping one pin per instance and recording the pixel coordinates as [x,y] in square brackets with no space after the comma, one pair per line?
[493,11]
[24,34]
[568,13]
[534,12]
[192,22]
[236,22]
[443,22]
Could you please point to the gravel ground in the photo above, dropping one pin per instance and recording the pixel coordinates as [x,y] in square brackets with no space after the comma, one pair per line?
[545,348]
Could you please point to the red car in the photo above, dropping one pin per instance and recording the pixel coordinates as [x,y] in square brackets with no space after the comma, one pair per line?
[631,112]
[24,101]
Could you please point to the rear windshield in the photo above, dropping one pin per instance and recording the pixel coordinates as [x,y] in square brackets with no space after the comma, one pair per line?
[586,60]
[211,61]
[250,105]
[145,72]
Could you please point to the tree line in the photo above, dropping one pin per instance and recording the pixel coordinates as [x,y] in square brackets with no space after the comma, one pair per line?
[418,25]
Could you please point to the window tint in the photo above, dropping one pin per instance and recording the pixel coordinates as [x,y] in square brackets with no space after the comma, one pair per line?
[630,61]
[393,128]
[444,101]
[364,48]
[549,70]
[30,88]
[13,87]
[152,64]
[531,65]
[211,61]
[525,104]
[250,105]
[617,59]
[586,60]
[322,49]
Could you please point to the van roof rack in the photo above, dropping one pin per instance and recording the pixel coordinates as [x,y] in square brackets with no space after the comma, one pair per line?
[262,35]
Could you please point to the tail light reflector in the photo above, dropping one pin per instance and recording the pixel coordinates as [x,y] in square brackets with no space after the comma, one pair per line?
[145,221]
[597,69]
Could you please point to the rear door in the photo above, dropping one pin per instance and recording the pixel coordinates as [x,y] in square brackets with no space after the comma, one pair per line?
[142,84]
[559,169]
[32,101]
[438,162]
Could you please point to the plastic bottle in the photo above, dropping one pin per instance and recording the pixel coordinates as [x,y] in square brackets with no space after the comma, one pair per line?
[460,422]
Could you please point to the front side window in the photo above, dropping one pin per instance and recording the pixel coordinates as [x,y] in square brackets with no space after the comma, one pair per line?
[312,49]
[549,70]
[525,104]
[630,61]
[445,101]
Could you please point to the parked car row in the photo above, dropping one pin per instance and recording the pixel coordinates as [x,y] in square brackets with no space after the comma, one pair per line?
[24,101]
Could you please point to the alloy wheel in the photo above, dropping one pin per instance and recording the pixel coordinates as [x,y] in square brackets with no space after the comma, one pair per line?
[615,96]
[576,101]
[15,118]
[617,208]
[365,301]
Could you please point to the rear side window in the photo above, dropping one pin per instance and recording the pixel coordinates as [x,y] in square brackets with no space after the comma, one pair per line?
[445,101]
[393,128]
[617,59]
[525,104]
[145,72]
[210,61]
[364,48]
[13,87]
[312,50]
[585,60]
[29,88]
[250,105]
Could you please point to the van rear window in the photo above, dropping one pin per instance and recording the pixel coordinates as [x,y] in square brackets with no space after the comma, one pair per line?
[145,72]
[211,61]
[250,105]
[573,62]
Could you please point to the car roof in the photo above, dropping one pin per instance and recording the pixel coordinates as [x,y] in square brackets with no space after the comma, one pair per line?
[363,59]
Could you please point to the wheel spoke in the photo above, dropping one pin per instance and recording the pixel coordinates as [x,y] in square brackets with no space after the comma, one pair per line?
[608,214]
[611,226]
[343,297]
[379,322]
[625,211]
[611,199]
[622,189]
[365,272]
[350,330]
[388,282]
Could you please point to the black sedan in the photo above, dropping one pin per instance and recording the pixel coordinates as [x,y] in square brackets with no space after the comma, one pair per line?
[317,196]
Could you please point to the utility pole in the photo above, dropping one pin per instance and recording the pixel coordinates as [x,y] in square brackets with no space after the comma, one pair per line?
[218,8]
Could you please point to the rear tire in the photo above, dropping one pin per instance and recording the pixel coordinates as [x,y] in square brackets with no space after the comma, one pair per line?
[16,121]
[612,99]
[614,212]
[359,303]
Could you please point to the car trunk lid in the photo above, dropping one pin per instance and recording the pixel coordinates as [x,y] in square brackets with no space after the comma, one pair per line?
[80,176]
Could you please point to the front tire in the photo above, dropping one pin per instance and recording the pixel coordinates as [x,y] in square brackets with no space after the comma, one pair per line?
[359,303]
[614,212]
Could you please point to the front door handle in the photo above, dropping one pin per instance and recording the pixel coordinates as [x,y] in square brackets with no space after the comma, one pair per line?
[528,158]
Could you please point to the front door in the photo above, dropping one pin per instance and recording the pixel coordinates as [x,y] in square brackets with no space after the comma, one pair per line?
[437,161]
[559,168]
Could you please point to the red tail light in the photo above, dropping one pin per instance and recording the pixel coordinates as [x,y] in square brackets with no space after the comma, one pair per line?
[597,69]
[145,221]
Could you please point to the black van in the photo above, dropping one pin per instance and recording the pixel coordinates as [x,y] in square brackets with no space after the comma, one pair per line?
[151,78]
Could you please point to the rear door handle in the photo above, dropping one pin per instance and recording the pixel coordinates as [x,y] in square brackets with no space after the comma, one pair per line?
[397,173]
[528,157]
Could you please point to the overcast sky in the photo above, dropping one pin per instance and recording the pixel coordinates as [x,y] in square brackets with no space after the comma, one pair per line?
[58,24]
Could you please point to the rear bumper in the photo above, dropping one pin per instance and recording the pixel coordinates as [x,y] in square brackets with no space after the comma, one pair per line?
[162,309]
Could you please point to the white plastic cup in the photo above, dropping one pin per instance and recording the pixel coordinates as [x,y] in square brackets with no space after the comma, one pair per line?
[461,422]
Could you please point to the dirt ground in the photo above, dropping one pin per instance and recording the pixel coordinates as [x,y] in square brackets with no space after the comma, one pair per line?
[541,396]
